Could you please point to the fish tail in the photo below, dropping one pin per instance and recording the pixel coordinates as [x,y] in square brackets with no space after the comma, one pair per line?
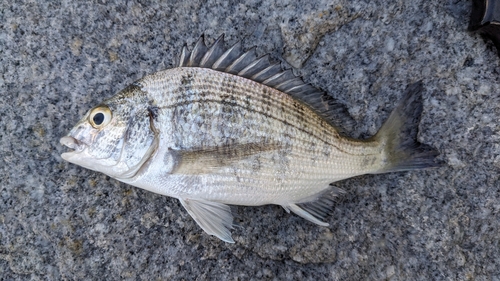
[399,135]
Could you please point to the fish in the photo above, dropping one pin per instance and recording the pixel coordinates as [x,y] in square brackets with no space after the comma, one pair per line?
[227,127]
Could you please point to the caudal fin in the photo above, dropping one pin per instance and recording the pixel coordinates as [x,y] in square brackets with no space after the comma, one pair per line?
[399,135]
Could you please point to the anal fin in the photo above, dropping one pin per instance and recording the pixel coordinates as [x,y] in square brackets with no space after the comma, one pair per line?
[316,208]
[213,217]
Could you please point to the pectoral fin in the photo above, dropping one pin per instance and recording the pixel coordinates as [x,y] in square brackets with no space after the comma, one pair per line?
[209,160]
[213,217]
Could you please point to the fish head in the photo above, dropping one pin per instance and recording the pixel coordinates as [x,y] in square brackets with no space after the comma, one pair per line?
[115,137]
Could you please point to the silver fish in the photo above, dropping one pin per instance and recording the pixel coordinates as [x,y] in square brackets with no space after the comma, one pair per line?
[228,127]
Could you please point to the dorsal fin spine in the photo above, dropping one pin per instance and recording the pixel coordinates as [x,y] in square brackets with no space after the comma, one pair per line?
[285,86]
[232,67]
[253,67]
[295,88]
[198,52]
[266,72]
[184,56]
[213,53]
[274,77]
[218,65]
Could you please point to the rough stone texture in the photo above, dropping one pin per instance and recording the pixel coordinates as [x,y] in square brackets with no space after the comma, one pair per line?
[62,222]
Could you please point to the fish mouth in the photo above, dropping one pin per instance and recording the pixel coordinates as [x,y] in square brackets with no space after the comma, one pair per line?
[71,143]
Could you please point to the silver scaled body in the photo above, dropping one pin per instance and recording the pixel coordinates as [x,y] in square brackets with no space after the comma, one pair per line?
[226,127]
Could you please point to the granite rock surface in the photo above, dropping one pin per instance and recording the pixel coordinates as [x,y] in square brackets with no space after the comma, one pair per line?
[59,221]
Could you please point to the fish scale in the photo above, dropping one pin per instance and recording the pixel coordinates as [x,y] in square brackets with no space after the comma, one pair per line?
[308,129]
[270,123]
[228,127]
[263,108]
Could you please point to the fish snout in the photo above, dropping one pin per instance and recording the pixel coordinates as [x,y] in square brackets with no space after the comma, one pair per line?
[72,143]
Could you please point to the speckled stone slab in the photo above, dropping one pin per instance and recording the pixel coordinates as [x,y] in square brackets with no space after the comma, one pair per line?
[59,221]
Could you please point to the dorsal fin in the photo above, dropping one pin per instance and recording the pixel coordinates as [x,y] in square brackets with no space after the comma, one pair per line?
[198,52]
[260,69]
[213,53]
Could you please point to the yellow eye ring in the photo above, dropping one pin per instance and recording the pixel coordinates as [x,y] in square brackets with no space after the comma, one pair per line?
[100,116]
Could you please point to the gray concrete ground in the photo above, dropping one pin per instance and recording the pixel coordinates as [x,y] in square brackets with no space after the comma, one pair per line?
[61,222]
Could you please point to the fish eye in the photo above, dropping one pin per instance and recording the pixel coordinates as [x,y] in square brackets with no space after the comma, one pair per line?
[100,116]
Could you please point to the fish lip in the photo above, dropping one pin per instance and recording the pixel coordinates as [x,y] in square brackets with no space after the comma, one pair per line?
[72,143]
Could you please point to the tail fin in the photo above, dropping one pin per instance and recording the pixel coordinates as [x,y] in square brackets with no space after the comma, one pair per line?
[399,135]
